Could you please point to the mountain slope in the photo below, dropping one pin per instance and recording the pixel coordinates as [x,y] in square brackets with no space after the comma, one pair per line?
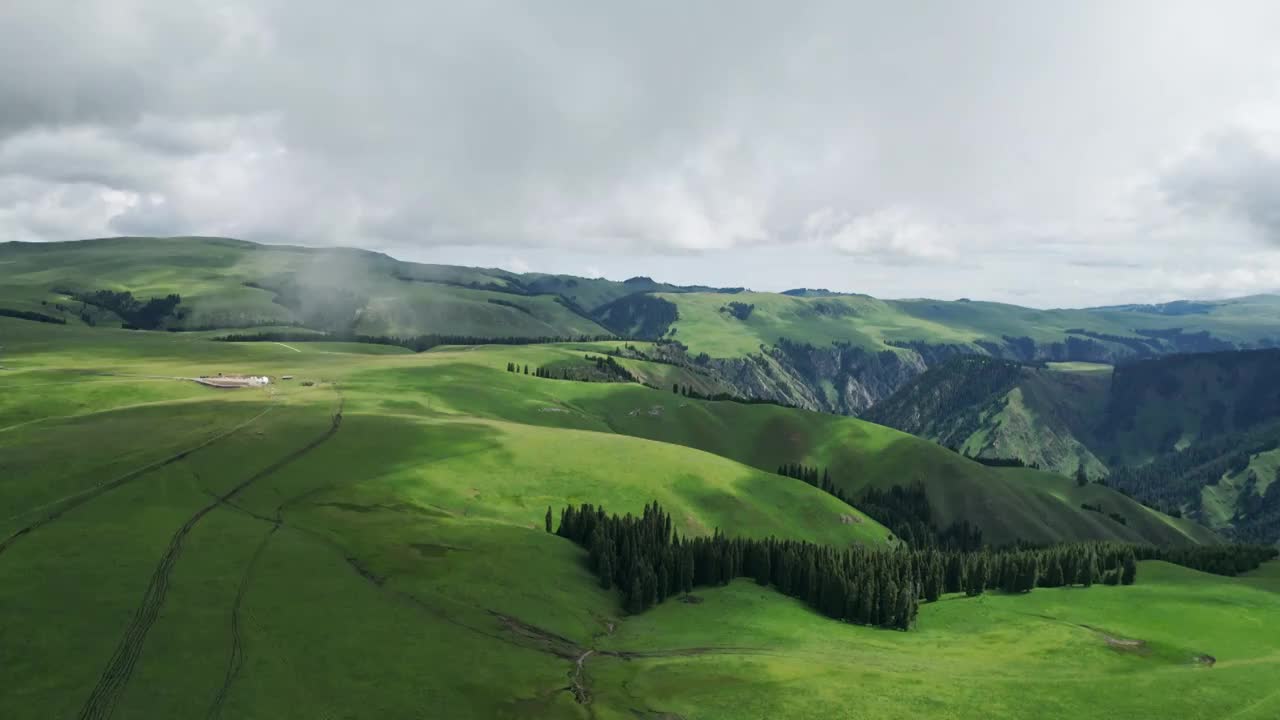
[1037,507]
[412,539]
[1019,333]
[1043,416]
[1185,432]
[235,284]
[819,350]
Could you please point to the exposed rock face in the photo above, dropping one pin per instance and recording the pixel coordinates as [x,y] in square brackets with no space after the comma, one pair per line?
[847,380]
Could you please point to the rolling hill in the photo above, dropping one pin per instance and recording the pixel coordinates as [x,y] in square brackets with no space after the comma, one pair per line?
[367,539]
[243,546]
[227,283]
[833,352]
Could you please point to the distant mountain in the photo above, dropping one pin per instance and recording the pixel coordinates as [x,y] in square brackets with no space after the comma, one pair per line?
[814,349]
[1194,433]
[1041,415]
[225,283]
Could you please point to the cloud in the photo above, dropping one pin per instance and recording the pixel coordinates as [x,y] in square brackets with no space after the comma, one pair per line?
[894,233]
[792,140]
[1233,175]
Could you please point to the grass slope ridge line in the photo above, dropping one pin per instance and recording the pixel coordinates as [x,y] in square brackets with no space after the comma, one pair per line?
[102,700]
[72,502]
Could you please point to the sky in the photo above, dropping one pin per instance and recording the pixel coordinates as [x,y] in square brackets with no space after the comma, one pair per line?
[1043,153]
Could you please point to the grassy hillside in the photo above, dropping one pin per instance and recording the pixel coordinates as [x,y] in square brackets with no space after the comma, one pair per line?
[230,283]
[1126,652]
[876,325]
[366,540]
[225,527]
[988,408]
[859,454]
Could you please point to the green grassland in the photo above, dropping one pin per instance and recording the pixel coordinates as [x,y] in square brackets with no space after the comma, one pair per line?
[370,544]
[386,296]
[1043,655]
[224,283]
[876,325]
[859,320]
[347,581]
[859,454]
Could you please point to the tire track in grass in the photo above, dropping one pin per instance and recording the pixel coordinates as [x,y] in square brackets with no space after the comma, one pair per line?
[236,660]
[65,504]
[102,700]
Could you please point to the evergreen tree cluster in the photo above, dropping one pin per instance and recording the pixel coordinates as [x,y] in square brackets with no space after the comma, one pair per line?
[648,562]
[612,368]
[28,315]
[1177,478]
[1098,509]
[692,393]
[906,511]
[606,369]
[739,310]
[137,314]
[1229,560]
[999,461]
[811,475]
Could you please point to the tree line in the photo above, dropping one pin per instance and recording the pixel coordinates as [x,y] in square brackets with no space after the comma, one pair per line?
[648,562]
[1177,478]
[1229,560]
[904,510]
[28,315]
[1098,509]
[693,394]
[606,369]
[136,314]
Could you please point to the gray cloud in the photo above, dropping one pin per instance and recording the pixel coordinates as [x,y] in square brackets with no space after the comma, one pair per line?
[832,137]
[1234,175]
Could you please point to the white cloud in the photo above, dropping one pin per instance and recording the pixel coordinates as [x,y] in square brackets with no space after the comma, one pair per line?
[893,233]
[822,140]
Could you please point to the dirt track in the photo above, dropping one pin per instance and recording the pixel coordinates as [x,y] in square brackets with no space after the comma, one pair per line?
[74,501]
[102,699]
[236,661]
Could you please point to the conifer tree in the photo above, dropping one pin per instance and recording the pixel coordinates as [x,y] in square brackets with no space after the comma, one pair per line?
[635,603]
[1088,569]
[906,608]
[606,571]
[1129,570]
[548,518]
[764,567]
[1053,572]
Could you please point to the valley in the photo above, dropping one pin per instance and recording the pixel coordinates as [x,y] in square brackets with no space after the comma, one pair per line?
[365,534]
